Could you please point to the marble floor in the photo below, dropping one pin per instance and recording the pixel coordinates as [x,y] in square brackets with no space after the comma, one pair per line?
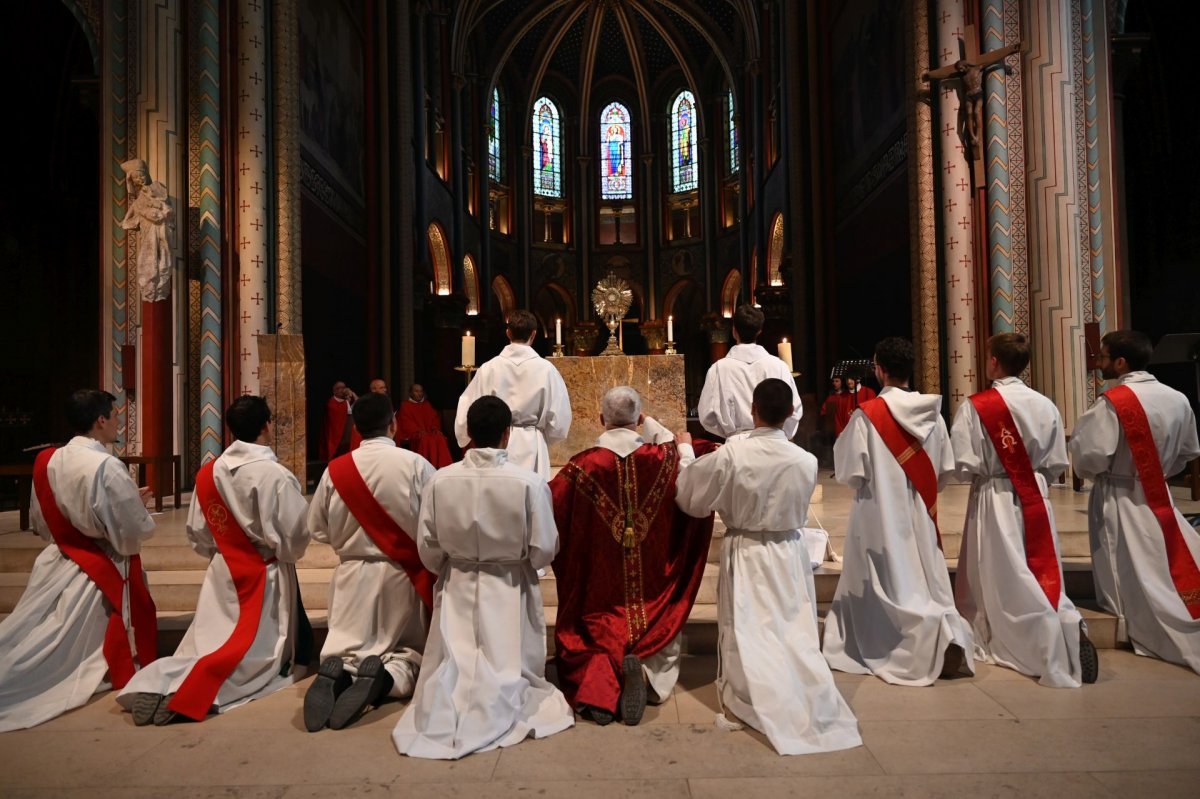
[1134,733]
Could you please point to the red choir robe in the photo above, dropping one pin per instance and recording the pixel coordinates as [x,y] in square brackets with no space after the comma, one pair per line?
[419,426]
[334,430]
[851,401]
[832,409]
[614,599]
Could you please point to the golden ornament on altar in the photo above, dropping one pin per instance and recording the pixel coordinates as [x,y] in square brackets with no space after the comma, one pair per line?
[612,299]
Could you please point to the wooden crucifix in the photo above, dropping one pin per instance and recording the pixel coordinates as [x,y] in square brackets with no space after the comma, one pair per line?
[969,71]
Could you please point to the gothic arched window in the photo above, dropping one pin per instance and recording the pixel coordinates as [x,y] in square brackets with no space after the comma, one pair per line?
[734,153]
[494,160]
[684,161]
[616,150]
[547,149]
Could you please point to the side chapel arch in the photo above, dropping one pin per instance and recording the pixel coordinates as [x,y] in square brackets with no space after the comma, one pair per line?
[439,256]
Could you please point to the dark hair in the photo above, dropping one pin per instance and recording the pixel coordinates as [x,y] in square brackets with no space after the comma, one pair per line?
[895,355]
[246,417]
[748,322]
[522,324]
[372,415]
[87,405]
[773,401]
[487,419]
[1011,350]
[1132,345]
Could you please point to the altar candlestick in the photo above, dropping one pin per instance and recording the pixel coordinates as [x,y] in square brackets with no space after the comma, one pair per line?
[468,349]
[558,331]
[785,354]
[670,328]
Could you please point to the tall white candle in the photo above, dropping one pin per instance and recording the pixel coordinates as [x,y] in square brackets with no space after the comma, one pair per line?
[468,349]
[785,354]
[558,331]
[670,328]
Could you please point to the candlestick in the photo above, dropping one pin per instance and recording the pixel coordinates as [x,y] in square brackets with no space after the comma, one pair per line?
[558,351]
[558,331]
[785,354]
[468,349]
[470,370]
[670,328]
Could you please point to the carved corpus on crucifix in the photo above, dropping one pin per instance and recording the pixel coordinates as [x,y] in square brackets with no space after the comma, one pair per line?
[969,71]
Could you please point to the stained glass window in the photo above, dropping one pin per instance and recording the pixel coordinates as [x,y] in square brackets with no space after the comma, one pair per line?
[547,149]
[494,161]
[684,166]
[616,163]
[734,155]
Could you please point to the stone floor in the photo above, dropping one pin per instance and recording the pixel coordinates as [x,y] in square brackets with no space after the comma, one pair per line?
[1134,733]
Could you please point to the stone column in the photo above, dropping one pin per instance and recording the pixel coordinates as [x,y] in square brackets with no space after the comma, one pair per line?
[285,51]
[253,195]
[926,306]
[954,217]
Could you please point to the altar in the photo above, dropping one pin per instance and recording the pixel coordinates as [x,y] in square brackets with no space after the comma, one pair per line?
[659,379]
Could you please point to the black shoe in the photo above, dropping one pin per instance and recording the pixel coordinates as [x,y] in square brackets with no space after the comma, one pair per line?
[371,685]
[952,662]
[322,695]
[633,691]
[599,715]
[1089,660]
[164,715]
[145,707]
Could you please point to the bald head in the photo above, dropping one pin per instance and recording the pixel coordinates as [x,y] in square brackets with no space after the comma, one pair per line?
[621,407]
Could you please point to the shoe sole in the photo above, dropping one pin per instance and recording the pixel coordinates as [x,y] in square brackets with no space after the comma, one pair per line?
[145,707]
[633,691]
[368,688]
[164,715]
[1089,660]
[322,695]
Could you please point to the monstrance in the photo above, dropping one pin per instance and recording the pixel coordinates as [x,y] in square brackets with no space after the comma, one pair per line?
[612,299]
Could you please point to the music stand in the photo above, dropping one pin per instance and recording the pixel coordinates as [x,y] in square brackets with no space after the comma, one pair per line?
[1175,348]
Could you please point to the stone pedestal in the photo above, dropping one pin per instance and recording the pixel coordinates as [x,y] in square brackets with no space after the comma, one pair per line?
[658,378]
[281,381]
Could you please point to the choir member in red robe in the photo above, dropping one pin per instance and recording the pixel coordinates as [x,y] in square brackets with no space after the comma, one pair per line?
[831,409]
[629,565]
[338,435]
[852,399]
[419,427]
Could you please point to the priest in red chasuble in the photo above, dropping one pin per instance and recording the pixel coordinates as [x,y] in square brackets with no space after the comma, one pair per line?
[629,564]
[338,435]
[419,427]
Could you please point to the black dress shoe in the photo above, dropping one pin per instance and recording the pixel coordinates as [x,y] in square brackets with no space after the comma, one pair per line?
[145,706]
[599,715]
[332,679]
[633,691]
[952,662]
[1089,659]
[164,715]
[369,688]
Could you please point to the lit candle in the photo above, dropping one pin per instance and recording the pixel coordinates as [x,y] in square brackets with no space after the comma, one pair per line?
[468,349]
[670,328]
[785,354]
[558,331]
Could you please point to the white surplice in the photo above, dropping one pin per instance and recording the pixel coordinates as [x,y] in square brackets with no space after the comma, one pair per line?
[486,527]
[893,614]
[373,607]
[267,503]
[724,408]
[51,645]
[537,396]
[1013,622]
[1129,555]
[772,674]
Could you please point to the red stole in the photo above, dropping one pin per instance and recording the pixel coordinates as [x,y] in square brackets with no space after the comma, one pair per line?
[1039,539]
[91,560]
[909,454]
[1140,438]
[380,526]
[249,571]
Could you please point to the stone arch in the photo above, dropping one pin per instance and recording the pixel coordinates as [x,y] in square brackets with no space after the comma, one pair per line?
[439,256]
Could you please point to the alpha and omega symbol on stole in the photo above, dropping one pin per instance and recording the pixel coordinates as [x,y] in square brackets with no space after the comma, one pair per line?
[1007,440]
[217,517]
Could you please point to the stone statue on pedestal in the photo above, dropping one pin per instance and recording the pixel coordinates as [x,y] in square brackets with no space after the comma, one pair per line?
[152,215]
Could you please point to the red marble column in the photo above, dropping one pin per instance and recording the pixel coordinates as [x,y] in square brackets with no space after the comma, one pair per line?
[156,401]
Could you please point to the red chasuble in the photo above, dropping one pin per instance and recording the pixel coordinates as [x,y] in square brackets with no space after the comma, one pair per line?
[628,569]
[1184,572]
[338,435]
[419,424]
[91,559]
[909,453]
[387,534]
[1039,537]
[249,571]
